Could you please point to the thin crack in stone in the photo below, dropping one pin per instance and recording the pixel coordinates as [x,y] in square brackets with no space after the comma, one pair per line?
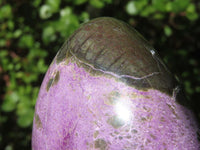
[115,75]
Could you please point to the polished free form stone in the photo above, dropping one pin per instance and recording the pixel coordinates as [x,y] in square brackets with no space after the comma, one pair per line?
[108,89]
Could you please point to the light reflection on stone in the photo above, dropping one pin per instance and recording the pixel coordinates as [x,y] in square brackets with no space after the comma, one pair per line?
[122,109]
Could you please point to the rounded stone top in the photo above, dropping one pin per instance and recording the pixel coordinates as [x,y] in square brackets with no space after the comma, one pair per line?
[112,46]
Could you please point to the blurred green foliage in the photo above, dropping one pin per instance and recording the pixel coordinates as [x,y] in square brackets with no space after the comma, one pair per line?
[31,32]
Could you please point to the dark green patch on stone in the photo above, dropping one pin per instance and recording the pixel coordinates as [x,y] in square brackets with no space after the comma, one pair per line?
[57,77]
[115,122]
[53,81]
[38,122]
[100,144]
[113,46]
[49,84]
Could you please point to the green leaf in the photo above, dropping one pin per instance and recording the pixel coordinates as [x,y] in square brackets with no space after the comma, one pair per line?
[26,41]
[191,8]
[53,4]
[108,1]
[168,31]
[159,16]
[48,34]
[4,60]
[22,108]
[79,2]
[147,11]
[10,66]
[131,8]
[67,23]
[2,42]
[191,13]
[10,101]
[45,12]
[5,12]
[9,147]
[36,3]
[180,5]
[42,68]
[13,81]
[17,33]
[37,53]
[97,3]
[19,74]
[26,120]
[160,5]
[140,4]
[169,7]
[11,25]
[3,53]
[65,12]
[29,77]
[137,7]
[192,16]
[84,17]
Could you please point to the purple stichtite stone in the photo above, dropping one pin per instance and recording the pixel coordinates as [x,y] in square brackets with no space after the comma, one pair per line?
[107,89]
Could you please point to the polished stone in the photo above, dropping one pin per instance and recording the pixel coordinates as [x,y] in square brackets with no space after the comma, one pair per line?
[105,101]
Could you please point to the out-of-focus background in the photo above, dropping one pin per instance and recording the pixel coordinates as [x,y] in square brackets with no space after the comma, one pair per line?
[32,31]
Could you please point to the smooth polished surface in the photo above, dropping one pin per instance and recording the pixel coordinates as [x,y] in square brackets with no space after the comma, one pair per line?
[85,105]
[113,46]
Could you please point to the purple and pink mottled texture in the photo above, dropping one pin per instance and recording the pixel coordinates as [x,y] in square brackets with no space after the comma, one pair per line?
[78,113]
[107,89]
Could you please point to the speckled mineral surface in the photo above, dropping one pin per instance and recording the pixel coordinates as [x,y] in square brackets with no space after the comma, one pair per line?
[107,89]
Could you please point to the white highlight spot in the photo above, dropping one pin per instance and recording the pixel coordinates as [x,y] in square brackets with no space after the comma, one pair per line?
[123,110]
[152,52]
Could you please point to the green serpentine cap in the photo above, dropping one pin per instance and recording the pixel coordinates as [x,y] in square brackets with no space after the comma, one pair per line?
[114,47]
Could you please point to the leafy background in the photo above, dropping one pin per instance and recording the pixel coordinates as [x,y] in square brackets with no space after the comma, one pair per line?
[31,32]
